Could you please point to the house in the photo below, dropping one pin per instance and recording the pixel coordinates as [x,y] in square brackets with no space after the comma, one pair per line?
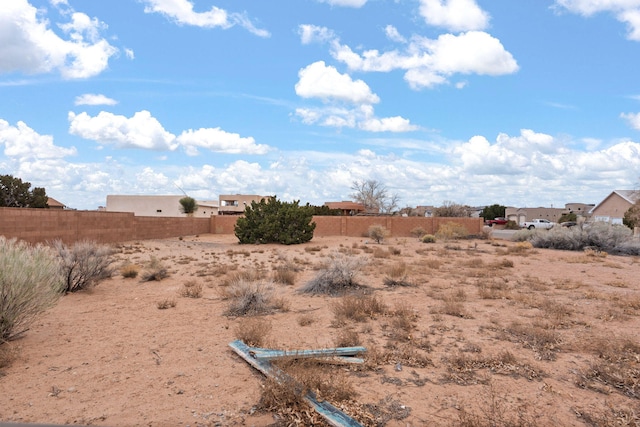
[235,204]
[54,204]
[347,207]
[520,215]
[613,207]
[161,206]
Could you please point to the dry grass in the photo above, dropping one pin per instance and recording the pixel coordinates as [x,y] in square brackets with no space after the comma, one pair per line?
[357,307]
[155,270]
[336,276]
[284,276]
[166,303]
[545,343]
[251,296]
[253,331]
[129,271]
[191,289]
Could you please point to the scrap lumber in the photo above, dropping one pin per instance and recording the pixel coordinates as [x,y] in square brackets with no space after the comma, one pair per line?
[260,358]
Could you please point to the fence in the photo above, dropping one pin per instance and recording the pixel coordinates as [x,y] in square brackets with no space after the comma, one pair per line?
[41,225]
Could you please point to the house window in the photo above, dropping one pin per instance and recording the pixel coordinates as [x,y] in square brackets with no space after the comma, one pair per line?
[159,210]
[229,203]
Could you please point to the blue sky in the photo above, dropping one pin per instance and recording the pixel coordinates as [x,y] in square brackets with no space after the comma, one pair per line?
[516,102]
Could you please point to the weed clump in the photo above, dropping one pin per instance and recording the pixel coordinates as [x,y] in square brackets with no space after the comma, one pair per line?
[337,276]
[30,282]
[84,264]
[253,331]
[191,289]
[155,271]
[378,233]
[452,231]
[251,297]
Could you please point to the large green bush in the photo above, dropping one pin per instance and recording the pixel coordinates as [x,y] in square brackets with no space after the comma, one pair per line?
[273,221]
[30,282]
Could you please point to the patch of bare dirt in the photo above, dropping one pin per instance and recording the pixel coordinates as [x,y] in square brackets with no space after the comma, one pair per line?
[474,333]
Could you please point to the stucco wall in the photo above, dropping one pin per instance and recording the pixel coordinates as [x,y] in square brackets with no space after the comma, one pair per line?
[42,225]
[611,209]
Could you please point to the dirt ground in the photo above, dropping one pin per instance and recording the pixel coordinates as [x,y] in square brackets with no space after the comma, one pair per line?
[499,334]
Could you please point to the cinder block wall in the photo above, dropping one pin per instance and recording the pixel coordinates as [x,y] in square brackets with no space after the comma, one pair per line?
[42,225]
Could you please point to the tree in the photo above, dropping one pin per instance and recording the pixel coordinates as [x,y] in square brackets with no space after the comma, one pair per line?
[273,221]
[14,193]
[632,216]
[188,205]
[494,211]
[450,209]
[374,196]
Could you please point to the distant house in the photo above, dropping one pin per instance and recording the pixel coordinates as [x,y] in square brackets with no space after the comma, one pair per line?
[162,206]
[54,204]
[235,204]
[520,215]
[347,207]
[614,206]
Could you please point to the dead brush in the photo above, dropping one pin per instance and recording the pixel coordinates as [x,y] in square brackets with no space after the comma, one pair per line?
[154,270]
[253,331]
[611,416]
[284,276]
[347,338]
[166,303]
[497,411]
[397,276]
[357,307]
[336,276]
[381,253]
[493,289]
[191,289]
[129,271]
[251,298]
[543,342]
[462,367]
[284,396]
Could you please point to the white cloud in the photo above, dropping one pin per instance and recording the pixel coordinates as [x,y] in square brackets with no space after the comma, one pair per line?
[129,53]
[140,131]
[144,131]
[23,143]
[215,139]
[181,11]
[454,15]
[626,11]
[362,117]
[325,82]
[29,45]
[94,99]
[393,34]
[387,124]
[313,33]
[633,119]
[345,3]
[430,62]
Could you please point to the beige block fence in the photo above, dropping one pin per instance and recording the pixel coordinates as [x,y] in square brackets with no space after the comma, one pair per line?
[42,225]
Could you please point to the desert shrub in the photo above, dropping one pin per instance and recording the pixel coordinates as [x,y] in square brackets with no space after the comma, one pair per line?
[418,232]
[84,264]
[397,276]
[30,282]
[284,275]
[347,338]
[357,307]
[512,225]
[129,271]
[336,276]
[155,271]
[377,233]
[166,303]
[273,221]
[598,236]
[251,297]
[523,235]
[253,331]
[428,238]
[451,231]
[191,289]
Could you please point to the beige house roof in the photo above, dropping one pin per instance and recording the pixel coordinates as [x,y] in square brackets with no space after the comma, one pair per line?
[54,204]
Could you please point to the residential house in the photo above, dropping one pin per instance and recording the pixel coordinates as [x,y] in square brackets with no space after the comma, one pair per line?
[161,206]
[347,207]
[520,215]
[613,207]
[54,204]
[235,204]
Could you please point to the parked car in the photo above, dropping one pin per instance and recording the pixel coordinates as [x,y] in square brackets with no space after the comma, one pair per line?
[496,221]
[537,223]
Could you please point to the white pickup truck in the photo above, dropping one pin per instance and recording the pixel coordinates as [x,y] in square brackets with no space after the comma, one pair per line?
[537,223]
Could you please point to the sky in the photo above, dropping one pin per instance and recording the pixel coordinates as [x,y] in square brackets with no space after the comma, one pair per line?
[522,103]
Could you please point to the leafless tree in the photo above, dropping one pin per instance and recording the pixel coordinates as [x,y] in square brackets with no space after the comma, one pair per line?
[450,209]
[374,196]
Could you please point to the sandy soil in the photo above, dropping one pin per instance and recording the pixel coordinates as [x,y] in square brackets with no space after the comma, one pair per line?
[499,331]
